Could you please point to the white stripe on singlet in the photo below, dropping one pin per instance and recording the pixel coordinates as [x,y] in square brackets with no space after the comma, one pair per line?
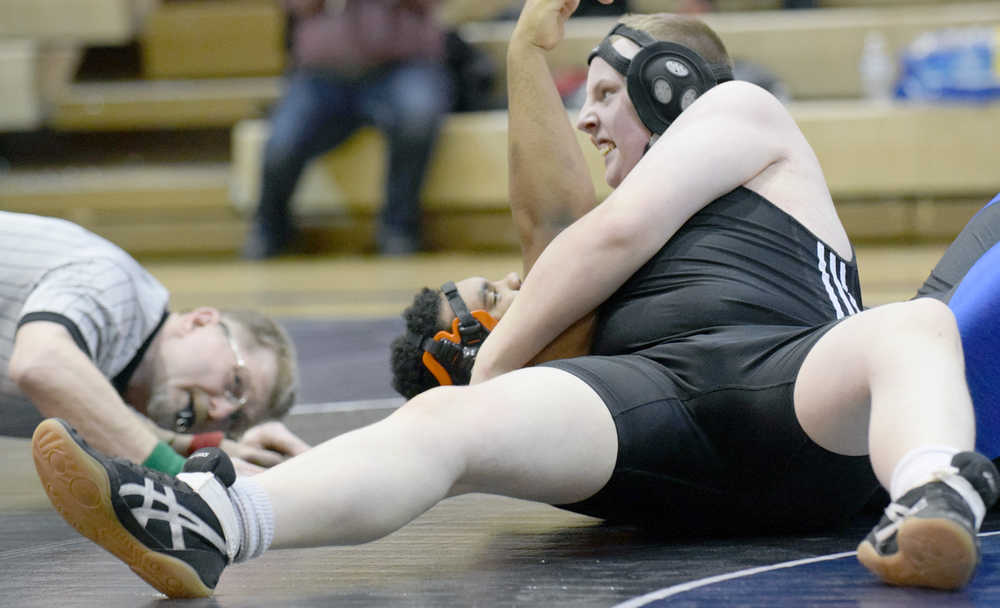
[839,269]
[851,302]
[825,277]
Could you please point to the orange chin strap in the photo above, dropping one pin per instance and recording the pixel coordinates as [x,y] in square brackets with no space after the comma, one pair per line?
[458,349]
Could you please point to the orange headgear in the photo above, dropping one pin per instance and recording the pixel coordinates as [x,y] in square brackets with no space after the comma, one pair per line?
[449,356]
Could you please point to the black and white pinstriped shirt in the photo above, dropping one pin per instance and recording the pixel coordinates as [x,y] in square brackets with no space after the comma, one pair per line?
[54,270]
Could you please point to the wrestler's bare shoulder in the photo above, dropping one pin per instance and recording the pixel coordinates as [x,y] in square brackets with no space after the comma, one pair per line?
[744,100]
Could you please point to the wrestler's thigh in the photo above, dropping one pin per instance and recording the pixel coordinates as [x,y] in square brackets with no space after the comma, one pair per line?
[880,349]
[538,433]
[832,401]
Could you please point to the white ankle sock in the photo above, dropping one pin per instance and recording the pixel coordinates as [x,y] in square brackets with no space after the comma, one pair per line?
[933,463]
[255,515]
[918,467]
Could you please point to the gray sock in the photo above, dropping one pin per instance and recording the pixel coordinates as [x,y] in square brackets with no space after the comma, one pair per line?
[255,515]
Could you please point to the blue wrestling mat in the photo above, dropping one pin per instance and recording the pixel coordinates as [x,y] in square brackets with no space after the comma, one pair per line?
[835,579]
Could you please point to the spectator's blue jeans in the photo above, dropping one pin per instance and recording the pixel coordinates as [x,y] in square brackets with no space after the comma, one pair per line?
[407,102]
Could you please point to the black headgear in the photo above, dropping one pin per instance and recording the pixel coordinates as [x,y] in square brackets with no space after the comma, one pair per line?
[449,356]
[663,78]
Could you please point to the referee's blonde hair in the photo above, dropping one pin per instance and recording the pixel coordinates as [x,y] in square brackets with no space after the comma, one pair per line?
[269,334]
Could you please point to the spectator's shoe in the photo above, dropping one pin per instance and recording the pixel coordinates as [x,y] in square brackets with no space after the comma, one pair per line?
[263,243]
[170,534]
[927,538]
[390,241]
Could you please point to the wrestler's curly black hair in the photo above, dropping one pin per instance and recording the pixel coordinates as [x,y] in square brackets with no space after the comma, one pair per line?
[409,375]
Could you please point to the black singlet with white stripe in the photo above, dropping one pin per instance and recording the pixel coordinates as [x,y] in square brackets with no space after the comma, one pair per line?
[739,261]
[696,358]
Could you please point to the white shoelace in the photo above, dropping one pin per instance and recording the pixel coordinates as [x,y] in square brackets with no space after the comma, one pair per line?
[896,514]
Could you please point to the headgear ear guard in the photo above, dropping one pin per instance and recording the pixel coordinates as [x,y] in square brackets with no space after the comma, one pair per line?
[663,78]
[449,356]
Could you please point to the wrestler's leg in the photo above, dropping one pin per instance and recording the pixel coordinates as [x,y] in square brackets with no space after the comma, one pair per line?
[891,379]
[886,381]
[539,433]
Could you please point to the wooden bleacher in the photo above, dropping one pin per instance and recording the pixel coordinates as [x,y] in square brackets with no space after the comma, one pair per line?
[162,104]
[91,22]
[40,46]
[214,38]
[164,209]
[896,172]
[20,98]
[827,43]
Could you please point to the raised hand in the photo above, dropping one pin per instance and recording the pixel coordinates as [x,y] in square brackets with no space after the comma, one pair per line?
[542,22]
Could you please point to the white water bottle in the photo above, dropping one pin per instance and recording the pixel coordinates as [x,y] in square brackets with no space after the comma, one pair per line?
[877,68]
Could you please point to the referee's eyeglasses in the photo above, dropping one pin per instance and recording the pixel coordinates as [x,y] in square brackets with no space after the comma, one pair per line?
[236,390]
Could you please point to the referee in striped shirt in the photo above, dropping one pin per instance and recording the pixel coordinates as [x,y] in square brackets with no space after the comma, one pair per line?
[86,335]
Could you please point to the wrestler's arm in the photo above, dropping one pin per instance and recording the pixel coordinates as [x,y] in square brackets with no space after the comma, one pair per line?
[550,184]
[727,137]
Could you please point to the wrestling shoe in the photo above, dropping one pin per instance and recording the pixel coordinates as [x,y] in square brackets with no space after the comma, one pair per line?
[927,538]
[177,533]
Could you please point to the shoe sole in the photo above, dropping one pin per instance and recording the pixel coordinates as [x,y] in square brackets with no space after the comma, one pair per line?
[79,488]
[937,553]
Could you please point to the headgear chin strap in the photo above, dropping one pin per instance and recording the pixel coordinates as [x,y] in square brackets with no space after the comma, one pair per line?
[449,356]
[663,78]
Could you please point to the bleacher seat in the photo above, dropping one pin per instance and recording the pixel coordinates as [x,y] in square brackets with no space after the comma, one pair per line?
[21,105]
[145,209]
[162,104]
[89,22]
[214,38]
[916,160]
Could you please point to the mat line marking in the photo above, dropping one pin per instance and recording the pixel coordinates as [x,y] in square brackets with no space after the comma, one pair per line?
[347,406]
[704,582]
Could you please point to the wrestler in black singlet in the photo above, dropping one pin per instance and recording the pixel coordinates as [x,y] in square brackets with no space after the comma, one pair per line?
[696,357]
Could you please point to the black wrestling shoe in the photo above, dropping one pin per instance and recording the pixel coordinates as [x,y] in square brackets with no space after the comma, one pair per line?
[172,535]
[928,537]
